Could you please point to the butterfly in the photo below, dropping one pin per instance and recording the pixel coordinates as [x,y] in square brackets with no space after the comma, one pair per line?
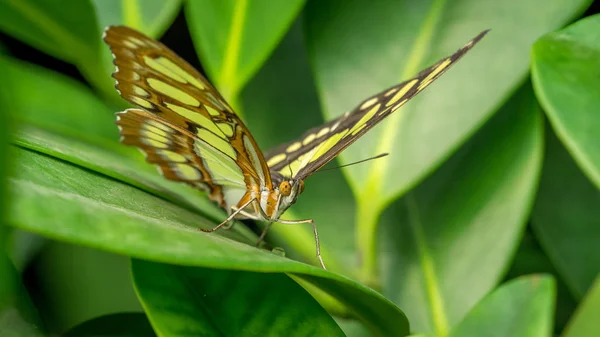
[185,127]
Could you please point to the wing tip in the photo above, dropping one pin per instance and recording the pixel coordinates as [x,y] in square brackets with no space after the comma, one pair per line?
[478,37]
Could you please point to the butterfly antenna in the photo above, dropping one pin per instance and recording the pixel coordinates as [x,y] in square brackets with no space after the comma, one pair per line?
[291,173]
[356,162]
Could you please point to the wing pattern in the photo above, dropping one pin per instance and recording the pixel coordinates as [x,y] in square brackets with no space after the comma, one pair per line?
[216,144]
[319,145]
[170,149]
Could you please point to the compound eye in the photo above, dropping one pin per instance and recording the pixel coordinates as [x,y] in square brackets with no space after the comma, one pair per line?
[301,186]
[285,188]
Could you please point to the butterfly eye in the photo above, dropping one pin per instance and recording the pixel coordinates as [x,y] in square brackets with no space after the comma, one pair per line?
[301,186]
[285,188]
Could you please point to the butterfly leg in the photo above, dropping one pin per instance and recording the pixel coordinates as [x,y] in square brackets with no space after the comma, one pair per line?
[229,218]
[264,233]
[244,213]
[314,226]
[294,222]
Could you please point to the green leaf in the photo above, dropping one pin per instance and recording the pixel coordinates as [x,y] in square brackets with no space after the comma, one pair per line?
[585,320]
[531,259]
[451,239]
[55,102]
[68,32]
[93,283]
[152,17]
[234,38]
[359,48]
[565,65]
[566,218]
[520,308]
[18,316]
[184,300]
[114,325]
[71,204]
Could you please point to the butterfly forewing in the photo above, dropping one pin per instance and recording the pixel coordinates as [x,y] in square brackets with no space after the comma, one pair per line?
[198,125]
[320,145]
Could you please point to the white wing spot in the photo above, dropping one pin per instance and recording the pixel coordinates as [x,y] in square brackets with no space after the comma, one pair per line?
[309,138]
[171,156]
[130,44]
[139,101]
[294,147]
[389,92]
[277,159]
[322,132]
[137,41]
[159,125]
[154,143]
[155,134]
[368,103]
[140,91]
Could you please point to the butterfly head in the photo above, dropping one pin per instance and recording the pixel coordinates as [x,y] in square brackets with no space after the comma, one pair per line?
[286,192]
[289,190]
[290,187]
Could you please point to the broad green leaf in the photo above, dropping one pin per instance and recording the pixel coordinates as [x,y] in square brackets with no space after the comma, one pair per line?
[284,111]
[531,259]
[72,204]
[451,239]
[79,283]
[114,325]
[359,48]
[184,301]
[23,248]
[353,328]
[66,31]
[585,320]
[55,102]
[6,286]
[18,316]
[520,308]
[235,37]
[565,65]
[566,218]
[152,17]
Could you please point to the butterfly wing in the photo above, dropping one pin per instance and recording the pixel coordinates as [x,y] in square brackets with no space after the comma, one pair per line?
[176,153]
[202,127]
[317,146]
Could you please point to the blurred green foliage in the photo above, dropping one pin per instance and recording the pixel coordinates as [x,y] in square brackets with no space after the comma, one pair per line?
[428,240]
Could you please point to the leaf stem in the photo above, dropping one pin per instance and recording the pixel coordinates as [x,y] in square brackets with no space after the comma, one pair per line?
[366,238]
[131,14]
[432,288]
[232,52]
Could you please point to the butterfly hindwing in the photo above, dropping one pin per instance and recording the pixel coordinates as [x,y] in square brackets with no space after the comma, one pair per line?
[173,93]
[318,146]
[177,152]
